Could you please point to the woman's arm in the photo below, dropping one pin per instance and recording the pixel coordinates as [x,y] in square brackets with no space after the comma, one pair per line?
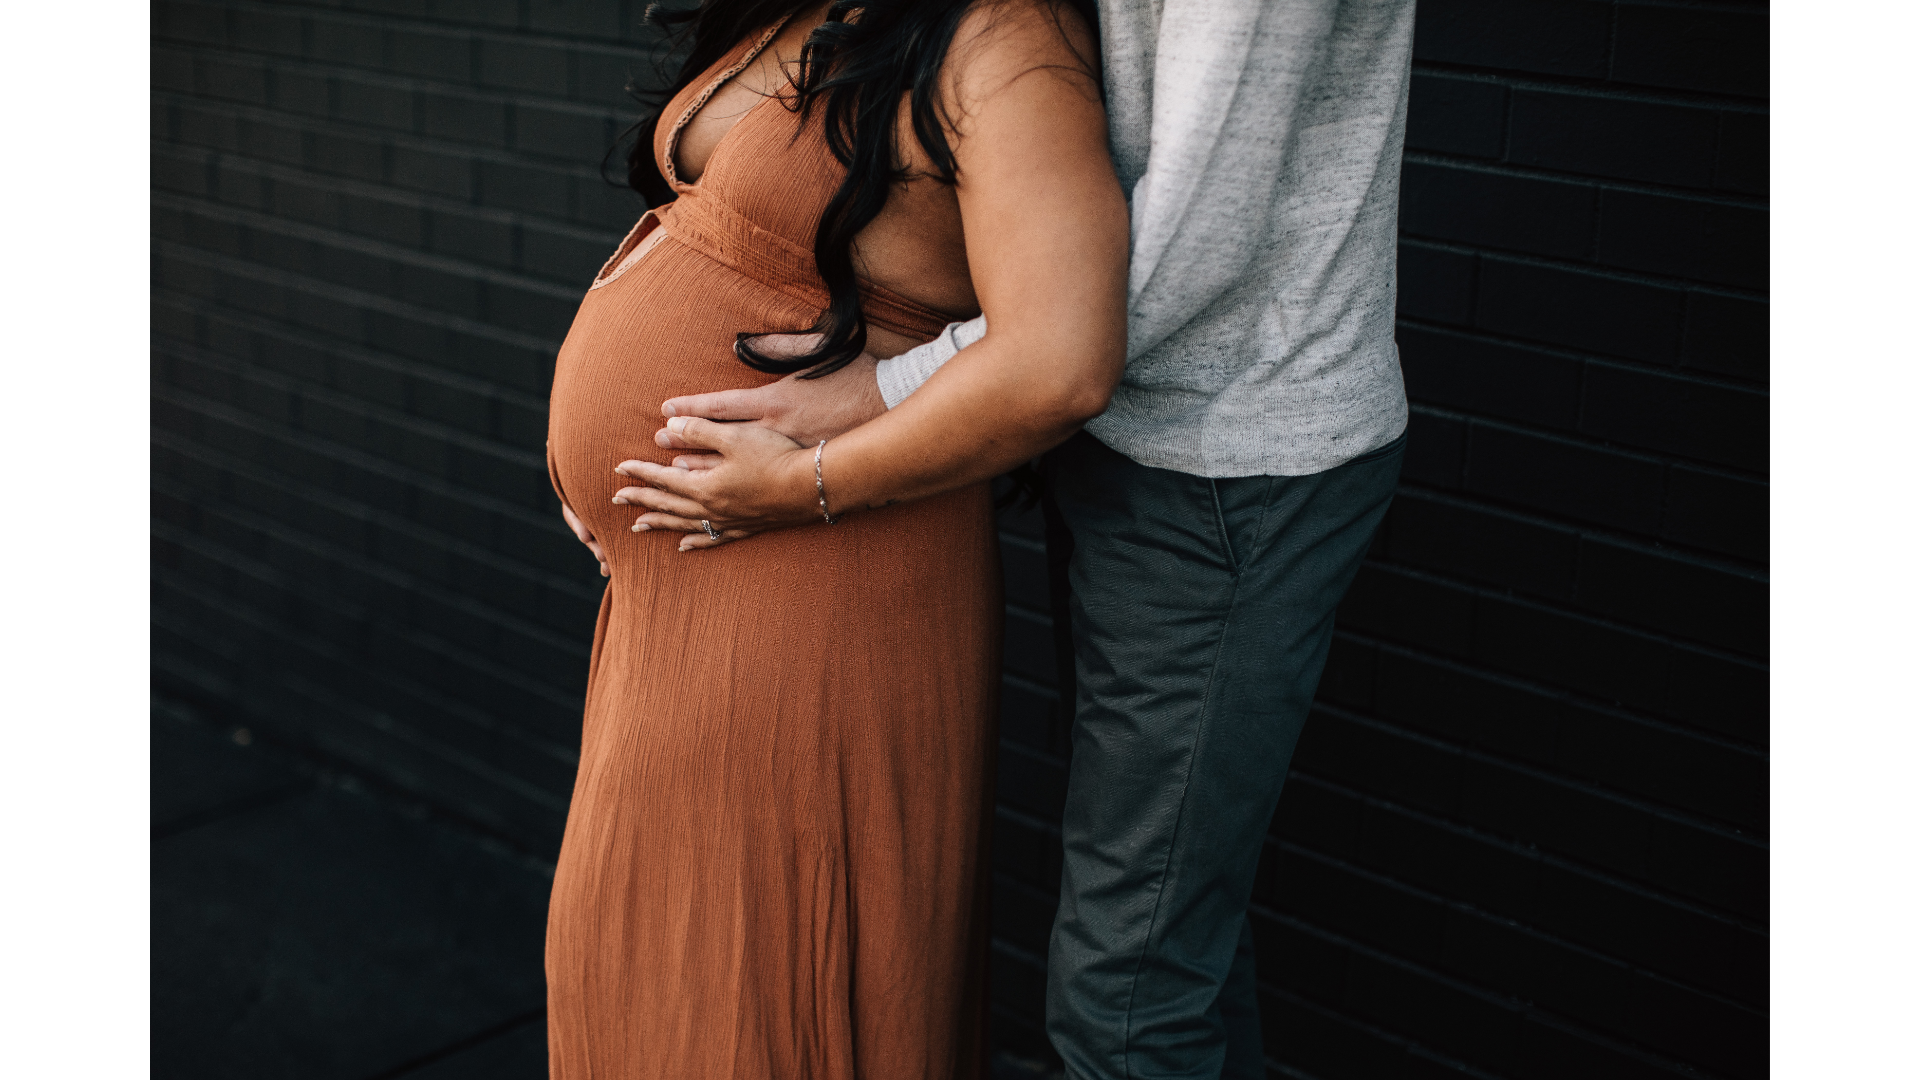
[1046,233]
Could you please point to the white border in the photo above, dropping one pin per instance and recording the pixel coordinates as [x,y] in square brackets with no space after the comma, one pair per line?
[1846,539]
[73,636]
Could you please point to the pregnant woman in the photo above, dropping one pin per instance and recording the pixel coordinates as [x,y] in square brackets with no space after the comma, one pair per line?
[775,859]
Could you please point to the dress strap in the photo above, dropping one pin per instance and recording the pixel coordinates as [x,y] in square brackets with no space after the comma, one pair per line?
[687,114]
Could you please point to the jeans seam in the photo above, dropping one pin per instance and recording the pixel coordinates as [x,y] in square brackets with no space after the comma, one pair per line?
[1173,835]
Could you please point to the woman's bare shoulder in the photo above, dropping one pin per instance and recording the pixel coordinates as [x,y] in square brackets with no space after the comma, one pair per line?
[999,42]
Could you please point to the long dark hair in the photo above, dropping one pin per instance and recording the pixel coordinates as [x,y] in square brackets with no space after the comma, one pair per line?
[855,69]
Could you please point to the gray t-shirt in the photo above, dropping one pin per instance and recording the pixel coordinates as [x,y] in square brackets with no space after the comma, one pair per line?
[1260,147]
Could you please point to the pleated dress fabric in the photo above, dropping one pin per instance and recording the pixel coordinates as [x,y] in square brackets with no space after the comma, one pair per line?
[774,863]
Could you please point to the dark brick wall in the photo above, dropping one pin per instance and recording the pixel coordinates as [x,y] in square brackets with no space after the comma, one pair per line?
[1526,833]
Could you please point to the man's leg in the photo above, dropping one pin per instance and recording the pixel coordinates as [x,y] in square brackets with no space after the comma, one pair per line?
[1202,611]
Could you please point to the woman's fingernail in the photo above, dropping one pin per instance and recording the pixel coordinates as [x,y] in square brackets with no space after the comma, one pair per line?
[618,501]
[637,526]
[667,409]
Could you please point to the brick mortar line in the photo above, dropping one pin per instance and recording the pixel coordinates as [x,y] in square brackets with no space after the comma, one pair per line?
[1519,767]
[1028,612]
[1462,829]
[360,354]
[554,802]
[1597,1036]
[380,249]
[1472,833]
[459,603]
[385,724]
[1548,690]
[1618,1042]
[1015,951]
[438,431]
[1434,577]
[216,458]
[1405,1044]
[386,193]
[1591,181]
[1589,269]
[1026,820]
[1592,86]
[1507,922]
[1029,685]
[1580,526]
[383,193]
[263,623]
[1529,852]
[469,29]
[445,434]
[359,613]
[1728,565]
[1586,442]
[470,152]
[386,78]
[1575,438]
[425,639]
[1038,755]
[357,458]
[1643,367]
[355,298]
[1641,803]
[451,542]
[1028,543]
[1725,7]
[1590,266]
[1004,877]
[331,768]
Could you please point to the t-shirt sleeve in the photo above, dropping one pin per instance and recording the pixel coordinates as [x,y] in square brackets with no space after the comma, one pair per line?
[901,375]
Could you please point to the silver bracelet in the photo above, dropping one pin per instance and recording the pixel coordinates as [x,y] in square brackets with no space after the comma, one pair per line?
[820,484]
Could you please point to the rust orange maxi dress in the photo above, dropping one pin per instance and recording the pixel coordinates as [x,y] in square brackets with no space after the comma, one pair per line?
[774,859]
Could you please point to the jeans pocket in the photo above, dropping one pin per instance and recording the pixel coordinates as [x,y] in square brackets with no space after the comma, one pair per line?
[1239,517]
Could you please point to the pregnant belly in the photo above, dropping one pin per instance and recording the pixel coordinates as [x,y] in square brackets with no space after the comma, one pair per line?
[663,328]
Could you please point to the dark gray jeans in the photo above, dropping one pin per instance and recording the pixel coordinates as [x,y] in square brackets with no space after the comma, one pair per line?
[1200,613]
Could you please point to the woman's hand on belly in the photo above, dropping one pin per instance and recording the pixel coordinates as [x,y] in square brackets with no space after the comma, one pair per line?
[748,479]
[585,536]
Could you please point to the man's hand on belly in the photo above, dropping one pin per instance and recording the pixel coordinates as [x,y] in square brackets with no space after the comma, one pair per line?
[804,410]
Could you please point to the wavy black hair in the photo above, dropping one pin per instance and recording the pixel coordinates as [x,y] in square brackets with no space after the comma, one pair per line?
[855,66]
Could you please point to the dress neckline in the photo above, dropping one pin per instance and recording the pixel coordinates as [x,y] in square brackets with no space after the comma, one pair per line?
[672,169]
